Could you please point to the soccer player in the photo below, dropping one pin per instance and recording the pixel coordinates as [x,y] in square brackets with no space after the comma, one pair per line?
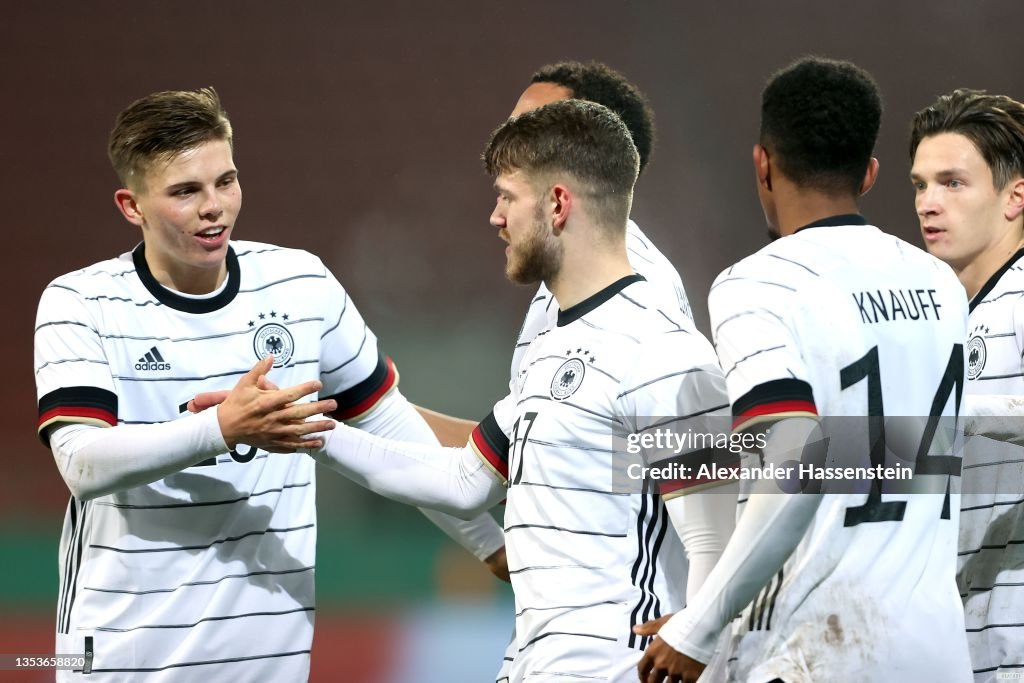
[967,153]
[593,82]
[583,553]
[187,551]
[836,318]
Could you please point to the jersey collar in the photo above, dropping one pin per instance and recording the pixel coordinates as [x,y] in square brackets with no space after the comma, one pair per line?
[833,221]
[181,303]
[992,281]
[576,312]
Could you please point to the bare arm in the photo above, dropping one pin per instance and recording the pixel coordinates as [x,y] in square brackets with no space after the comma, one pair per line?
[450,431]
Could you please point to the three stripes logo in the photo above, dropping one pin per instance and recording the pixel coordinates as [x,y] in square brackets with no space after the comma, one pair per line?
[152,361]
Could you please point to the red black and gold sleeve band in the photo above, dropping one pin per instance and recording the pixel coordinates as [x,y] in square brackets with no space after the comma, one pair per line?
[491,445]
[79,405]
[360,399]
[773,401]
[698,470]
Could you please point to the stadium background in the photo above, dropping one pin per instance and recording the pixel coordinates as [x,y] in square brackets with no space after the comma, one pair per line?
[358,131]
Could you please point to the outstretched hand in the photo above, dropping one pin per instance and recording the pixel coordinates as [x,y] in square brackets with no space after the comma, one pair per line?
[259,414]
[661,662]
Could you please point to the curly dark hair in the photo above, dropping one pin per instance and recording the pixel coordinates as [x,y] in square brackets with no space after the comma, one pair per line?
[994,123]
[820,120]
[597,82]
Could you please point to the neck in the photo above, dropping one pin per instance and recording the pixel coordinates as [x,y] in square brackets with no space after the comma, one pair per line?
[798,207]
[191,280]
[585,272]
[980,269]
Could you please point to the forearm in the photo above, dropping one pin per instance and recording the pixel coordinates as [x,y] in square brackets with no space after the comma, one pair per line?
[395,418]
[450,431]
[452,480]
[770,529]
[96,461]
[704,522]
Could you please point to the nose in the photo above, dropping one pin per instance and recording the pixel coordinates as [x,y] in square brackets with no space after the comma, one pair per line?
[497,217]
[927,201]
[211,208]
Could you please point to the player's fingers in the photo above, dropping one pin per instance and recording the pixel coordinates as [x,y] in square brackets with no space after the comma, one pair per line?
[301,411]
[262,367]
[207,399]
[292,394]
[309,427]
[265,384]
[644,667]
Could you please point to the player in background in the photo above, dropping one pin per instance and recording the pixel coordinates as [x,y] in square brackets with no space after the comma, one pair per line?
[583,553]
[187,552]
[836,318]
[593,82]
[967,155]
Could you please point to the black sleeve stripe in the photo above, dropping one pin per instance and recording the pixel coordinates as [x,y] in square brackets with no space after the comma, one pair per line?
[362,397]
[76,404]
[779,396]
[492,443]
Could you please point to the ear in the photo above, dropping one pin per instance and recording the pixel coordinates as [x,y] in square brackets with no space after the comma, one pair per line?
[561,204]
[870,176]
[128,206]
[1015,200]
[762,167]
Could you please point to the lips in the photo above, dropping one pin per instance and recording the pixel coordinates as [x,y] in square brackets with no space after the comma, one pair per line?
[212,234]
[931,232]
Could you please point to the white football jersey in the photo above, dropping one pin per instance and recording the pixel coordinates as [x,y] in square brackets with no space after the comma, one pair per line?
[206,574]
[841,319]
[645,259]
[588,558]
[991,571]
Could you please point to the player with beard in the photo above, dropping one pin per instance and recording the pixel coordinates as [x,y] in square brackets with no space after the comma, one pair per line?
[583,552]
[594,82]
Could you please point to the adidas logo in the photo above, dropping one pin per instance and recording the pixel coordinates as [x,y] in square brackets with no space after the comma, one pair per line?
[152,361]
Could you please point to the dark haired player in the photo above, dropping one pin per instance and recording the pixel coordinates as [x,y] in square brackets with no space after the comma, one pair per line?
[835,318]
[967,152]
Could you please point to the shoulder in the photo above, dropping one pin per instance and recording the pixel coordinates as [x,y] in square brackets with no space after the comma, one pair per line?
[645,257]
[659,329]
[272,255]
[103,277]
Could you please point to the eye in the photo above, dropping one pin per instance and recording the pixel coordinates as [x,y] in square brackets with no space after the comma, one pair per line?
[227,181]
[183,192]
[918,185]
[954,183]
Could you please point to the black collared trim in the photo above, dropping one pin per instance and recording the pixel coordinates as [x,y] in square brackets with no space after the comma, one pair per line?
[181,303]
[833,221]
[992,281]
[574,313]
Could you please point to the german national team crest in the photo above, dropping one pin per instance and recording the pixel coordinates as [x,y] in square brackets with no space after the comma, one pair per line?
[976,354]
[273,339]
[567,379]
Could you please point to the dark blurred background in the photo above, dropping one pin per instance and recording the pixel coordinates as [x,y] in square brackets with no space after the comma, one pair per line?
[358,131]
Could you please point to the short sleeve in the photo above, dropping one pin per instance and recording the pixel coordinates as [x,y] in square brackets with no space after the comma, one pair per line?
[353,371]
[765,373]
[675,395]
[73,380]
